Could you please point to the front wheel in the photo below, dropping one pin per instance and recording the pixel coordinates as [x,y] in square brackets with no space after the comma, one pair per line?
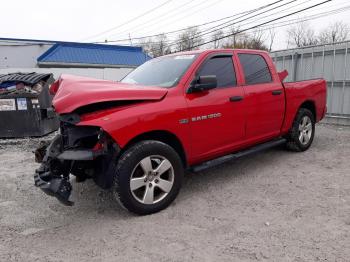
[148,177]
[302,133]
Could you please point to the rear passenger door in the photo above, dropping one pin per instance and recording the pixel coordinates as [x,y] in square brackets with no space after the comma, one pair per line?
[264,97]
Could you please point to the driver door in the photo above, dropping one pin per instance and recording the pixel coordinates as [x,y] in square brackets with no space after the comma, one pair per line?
[216,116]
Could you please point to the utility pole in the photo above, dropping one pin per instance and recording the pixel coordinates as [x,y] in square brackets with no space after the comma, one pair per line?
[130,39]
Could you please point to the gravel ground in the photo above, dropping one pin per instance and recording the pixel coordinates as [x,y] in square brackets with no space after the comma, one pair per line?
[273,206]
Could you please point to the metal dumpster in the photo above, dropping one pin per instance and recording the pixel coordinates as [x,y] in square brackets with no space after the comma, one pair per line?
[25,105]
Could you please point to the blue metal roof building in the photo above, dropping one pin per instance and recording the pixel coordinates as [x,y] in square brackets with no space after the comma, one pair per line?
[92,55]
[48,53]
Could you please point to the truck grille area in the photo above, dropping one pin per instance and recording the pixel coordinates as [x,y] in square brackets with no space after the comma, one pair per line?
[82,137]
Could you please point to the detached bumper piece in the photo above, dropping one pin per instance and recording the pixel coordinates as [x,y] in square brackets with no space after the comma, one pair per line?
[52,176]
[59,187]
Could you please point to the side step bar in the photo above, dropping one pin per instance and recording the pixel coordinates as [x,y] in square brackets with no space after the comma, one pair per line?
[249,151]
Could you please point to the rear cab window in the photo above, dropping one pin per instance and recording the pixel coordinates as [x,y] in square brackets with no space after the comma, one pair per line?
[255,69]
[222,67]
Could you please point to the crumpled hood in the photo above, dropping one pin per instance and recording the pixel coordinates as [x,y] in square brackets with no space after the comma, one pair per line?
[75,91]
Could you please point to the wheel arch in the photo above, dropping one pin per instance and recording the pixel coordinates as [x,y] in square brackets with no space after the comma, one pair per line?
[310,105]
[162,136]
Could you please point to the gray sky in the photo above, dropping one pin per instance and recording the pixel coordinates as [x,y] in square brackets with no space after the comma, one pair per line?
[77,20]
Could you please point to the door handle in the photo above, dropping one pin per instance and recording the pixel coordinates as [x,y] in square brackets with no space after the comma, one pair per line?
[276,92]
[236,98]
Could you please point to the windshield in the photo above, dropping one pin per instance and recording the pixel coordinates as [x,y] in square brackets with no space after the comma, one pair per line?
[163,71]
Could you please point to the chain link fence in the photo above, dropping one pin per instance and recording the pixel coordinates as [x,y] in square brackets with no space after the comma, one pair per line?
[331,62]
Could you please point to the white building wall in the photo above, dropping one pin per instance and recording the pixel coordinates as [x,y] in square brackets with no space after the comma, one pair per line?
[22,55]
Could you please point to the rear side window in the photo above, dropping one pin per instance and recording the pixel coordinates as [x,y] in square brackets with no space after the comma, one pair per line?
[222,67]
[255,69]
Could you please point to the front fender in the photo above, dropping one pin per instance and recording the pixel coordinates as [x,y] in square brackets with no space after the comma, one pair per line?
[124,124]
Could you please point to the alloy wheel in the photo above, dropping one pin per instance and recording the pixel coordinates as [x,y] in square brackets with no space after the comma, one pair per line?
[305,130]
[152,179]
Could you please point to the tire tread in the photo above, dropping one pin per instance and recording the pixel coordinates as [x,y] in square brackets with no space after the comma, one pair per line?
[125,157]
[293,143]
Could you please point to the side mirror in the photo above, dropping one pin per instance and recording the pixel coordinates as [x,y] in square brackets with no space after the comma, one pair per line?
[203,83]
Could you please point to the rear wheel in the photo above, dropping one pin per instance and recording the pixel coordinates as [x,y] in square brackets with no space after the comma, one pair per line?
[302,133]
[148,177]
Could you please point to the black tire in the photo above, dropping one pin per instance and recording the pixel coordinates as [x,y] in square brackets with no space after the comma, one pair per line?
[294,142]
[130,160]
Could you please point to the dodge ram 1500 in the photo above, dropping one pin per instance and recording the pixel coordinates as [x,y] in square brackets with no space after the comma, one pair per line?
[189,110]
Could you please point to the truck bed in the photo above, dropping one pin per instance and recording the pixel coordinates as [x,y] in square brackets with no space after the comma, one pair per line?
[313,90]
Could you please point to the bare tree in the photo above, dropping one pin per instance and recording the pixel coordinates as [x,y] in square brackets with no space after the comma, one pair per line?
[160,46]
[216,39]
[296,34]
[189,39]
[230,42]
[146,45]
[310,38]
[272,35]
[257,40]
[157,46]
[335,32]
[301,34]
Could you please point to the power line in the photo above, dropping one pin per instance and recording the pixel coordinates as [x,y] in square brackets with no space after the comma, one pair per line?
[169,32]
[308,18]
[240,31]
[179,30]
[205,32]
[269,15]
[231,24]
[311,17]
[263,28]
[131,20]
[186,15]
[256,26]
[174,10]
[198,25]
[293,21]
[247,13]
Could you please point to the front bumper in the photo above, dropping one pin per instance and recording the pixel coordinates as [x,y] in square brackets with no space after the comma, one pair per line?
[62,157]
[58,185]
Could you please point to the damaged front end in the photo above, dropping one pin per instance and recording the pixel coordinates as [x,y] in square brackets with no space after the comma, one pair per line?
[82,151]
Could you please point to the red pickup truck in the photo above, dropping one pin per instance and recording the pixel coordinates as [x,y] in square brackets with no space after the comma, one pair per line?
[190,110]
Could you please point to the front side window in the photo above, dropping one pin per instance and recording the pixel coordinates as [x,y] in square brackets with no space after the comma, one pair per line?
[255,69]
[163,71]
[222,67]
